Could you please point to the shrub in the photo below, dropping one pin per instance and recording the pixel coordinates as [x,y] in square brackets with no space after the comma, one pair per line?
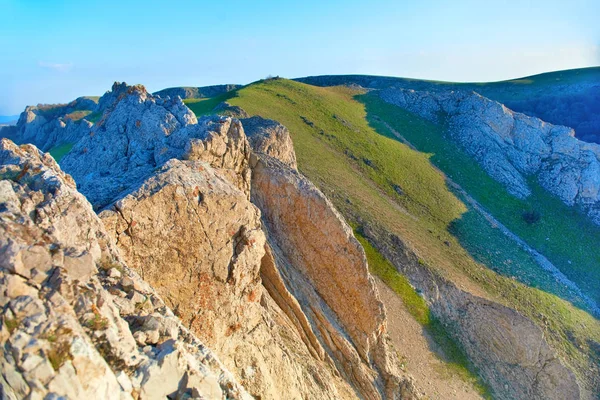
[531,216]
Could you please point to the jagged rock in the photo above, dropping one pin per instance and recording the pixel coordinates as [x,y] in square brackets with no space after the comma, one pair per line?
[65,330]
[324,267]
[197,238]
[48,126]
[508,349]
[139,133]
[512,146]
[271,138]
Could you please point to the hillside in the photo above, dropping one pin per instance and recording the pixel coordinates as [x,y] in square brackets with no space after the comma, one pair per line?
[258,230]
[570,98]
[353,154]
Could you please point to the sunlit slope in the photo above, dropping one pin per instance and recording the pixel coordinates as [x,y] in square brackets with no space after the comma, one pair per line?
[570,98]
[371,177]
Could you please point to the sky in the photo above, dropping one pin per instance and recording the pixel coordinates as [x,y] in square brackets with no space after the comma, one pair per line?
[54,51]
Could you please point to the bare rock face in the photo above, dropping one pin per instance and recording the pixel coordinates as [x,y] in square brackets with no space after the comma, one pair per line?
[270,137]
[138,133]
[512,146]
[324,267]
[76,321]
[198,240]
[509,350]
[49,126]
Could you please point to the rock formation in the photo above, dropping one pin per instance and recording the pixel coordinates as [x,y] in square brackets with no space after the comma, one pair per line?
[509,350]
[76,321]
[512,146]
[48,126]
[175,194]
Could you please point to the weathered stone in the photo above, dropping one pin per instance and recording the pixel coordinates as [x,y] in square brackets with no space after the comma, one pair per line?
[66,336]
[511,146]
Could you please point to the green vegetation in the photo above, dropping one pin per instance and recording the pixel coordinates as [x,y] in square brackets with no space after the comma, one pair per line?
[59,354]
[370,176]
[204,106]
[77,115]
[451,353]
[561,233]
[60,151]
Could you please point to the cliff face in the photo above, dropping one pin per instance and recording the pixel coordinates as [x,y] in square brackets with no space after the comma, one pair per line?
[512,146]
[76,321]
[179,206]
[51,126]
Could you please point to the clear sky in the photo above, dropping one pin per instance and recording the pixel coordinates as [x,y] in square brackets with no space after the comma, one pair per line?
[56,50]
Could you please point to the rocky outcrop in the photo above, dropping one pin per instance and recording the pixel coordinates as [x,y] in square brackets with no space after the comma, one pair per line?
[186,92]
[48,126]
[197,238]
[512,146]
[271,138]
[76,321]
[324,267]
[138,133]
[509,350]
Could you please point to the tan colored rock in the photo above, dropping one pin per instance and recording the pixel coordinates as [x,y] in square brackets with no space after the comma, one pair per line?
[271,138]
[198,240]
[66,334]
[325,268]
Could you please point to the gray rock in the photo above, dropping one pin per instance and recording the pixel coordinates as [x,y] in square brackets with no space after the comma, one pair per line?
[512,146]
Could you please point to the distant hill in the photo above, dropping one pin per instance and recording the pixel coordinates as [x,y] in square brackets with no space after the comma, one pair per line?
[186,92]
[570,98]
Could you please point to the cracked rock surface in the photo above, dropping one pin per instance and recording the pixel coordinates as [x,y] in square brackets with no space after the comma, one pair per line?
[76,321]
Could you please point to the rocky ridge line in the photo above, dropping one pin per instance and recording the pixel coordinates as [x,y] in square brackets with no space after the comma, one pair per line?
[511,146]
[76,321]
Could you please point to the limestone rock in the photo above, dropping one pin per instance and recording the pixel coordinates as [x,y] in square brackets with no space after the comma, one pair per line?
[138,133]
[197,239]
[324,267]
[66,325]
[271,138]
[511,146]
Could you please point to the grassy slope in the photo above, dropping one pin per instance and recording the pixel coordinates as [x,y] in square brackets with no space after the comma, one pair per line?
[59,152]
[336,154]
[563,235]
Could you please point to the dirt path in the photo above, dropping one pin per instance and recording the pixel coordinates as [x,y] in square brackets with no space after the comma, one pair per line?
[408,337]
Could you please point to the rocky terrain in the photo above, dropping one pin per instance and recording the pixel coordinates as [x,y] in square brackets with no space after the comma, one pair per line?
[76,321]
[287,305]
[48,126]
[202,264]
[512,146]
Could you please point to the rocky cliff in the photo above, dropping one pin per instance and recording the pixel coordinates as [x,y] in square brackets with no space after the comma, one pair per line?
[76,321]
[511,146]
[48,126]
[290,310]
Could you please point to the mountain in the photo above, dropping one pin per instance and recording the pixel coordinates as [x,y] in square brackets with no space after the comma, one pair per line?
[186,92]
[570,98]
[355,239]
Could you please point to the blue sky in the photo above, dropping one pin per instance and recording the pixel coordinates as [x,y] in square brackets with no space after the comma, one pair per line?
[54,51]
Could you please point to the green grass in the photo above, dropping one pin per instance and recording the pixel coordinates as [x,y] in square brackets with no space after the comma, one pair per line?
[346,153]
[60,151]
[456,360]
[563,235]
[204,106]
